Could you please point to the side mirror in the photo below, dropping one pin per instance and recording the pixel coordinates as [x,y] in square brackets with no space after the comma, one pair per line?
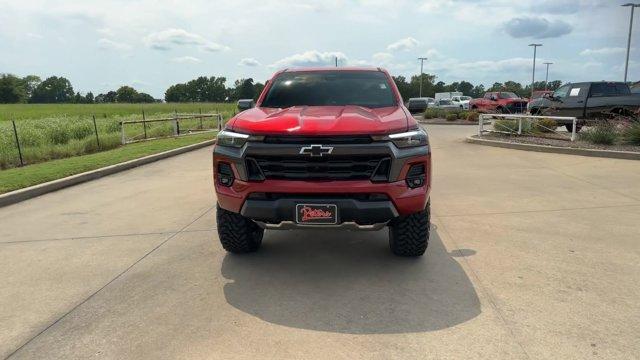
[245,104]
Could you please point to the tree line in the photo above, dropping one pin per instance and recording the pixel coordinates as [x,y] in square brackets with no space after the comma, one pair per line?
[213,89]
[54,89]
[411,88]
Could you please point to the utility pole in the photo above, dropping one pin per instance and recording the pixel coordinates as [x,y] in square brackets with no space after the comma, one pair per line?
[422,59]
[336,61]
[533,76]
[626,63]
[546,78]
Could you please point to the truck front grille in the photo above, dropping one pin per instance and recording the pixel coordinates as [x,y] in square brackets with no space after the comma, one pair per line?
[375,168]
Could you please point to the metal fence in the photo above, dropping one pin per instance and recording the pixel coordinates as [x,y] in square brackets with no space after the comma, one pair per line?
[523,120]
[31,141]
[175,121]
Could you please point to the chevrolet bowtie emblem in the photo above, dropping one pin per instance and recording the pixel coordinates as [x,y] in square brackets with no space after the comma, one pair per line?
[316,150]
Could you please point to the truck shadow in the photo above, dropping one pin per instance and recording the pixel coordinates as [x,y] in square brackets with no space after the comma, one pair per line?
[349,282]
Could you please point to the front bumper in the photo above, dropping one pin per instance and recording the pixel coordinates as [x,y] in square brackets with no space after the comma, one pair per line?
[361,212]
[399,199]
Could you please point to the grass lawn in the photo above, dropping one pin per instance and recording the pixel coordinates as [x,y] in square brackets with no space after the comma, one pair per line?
[55,131]
[85,111]
[17,178]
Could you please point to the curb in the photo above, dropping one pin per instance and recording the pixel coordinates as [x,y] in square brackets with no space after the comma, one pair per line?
[44,188]
[611,154]
[447,123]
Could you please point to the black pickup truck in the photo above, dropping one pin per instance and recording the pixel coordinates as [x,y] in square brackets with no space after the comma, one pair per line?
[588,101]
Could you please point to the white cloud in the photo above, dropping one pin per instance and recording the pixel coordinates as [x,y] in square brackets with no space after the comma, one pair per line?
[382,57]
[107,44]
[311,58]
[435,5]
[536,28]
[166,39]
[34,35]
[433,54]
[186,60]
[603,51]
[249,62]
[214,47]
[105,31]
[405,44]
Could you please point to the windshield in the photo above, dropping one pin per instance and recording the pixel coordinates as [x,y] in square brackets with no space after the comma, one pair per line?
[445,102]
[330,88]
[508,95]
[465,98]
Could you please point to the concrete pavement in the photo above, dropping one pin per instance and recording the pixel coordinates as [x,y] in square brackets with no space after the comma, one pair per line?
[532,255]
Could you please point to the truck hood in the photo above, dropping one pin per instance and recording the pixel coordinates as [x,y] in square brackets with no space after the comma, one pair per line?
[321,120]
[540,102]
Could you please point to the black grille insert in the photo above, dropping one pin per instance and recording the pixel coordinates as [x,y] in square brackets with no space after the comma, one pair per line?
[321,168]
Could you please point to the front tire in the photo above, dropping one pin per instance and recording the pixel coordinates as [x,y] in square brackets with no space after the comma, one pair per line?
[409,235]
[237,233]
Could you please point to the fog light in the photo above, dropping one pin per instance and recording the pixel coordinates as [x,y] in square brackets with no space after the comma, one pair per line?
[415,176]
[225,174]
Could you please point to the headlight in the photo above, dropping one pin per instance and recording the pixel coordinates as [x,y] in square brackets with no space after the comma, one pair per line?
[232,139]
[410,139]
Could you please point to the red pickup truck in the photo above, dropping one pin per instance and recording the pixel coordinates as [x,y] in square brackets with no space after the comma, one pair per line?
[501,102]
[324,148]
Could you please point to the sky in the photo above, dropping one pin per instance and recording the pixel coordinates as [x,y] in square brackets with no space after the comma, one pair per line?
[152,44]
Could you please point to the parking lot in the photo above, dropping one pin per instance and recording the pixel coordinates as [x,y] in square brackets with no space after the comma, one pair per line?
[532,256]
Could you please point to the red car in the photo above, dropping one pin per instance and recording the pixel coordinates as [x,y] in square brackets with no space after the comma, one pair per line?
[500,102]
[324,148]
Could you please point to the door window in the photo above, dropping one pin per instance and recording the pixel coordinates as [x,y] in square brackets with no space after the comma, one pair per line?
[562,92]
[603,89]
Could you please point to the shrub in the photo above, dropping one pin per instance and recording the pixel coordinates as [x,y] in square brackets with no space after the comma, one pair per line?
[604,133]
[452,116]
[430,113]
[545,125]
[472,116]
[632,134]
[441,114]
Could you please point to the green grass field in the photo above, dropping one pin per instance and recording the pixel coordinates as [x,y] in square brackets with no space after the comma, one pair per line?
[18,178]
[55,131]
[79,111]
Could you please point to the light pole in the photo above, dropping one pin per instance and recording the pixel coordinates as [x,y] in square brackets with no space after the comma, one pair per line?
[533,76]
[422,59]
[546,78]
[626,63]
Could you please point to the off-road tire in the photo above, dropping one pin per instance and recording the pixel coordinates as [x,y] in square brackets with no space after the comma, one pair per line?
[237,233]
[409,235]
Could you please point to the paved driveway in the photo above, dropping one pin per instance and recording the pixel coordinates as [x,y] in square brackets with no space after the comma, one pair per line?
[532,256]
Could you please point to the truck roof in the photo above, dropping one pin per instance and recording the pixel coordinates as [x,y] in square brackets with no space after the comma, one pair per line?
[328,68]
[595,82]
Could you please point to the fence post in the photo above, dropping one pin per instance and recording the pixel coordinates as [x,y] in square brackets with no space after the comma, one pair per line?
[144,124]
[95,127]
[480,124]
[219,122]
[201,127]
[519,126]
[123,140]
[573,130]
[15,132]
[176,130]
